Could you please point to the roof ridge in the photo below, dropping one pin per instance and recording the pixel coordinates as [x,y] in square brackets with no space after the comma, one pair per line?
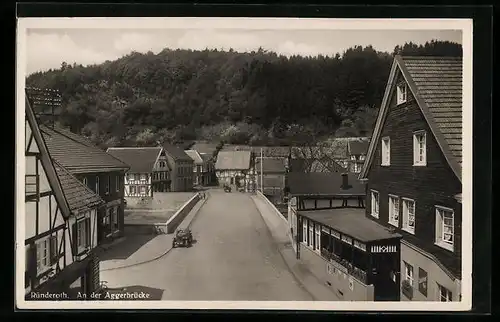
[431,57]
[133,147]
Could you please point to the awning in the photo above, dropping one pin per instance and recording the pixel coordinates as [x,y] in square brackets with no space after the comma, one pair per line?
[351,222]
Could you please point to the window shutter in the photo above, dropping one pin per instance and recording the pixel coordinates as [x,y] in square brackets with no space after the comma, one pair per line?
[53,250]
[32,260]
[28,264]
[87,232]
[74,232]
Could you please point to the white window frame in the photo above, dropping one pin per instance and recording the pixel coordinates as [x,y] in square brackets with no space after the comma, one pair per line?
[444,294]
[143,177]
[402,93]
[43,263]
[440,228]
[304,231]
[317,236]
[394,209]
[409,274]
[132,190]
[386,151]
[108,184]
[117,183]
[83,241]
[97,184]
[142,190]
[310,239]
[419,152]
[406,216]
[85,182]
[375,206]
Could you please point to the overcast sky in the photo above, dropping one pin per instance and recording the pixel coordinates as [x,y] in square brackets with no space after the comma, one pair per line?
[48,48]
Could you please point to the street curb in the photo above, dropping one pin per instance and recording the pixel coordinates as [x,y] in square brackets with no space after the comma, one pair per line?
[278,247]
[163,254]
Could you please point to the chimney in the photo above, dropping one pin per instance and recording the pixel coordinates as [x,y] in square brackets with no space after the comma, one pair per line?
[345,181]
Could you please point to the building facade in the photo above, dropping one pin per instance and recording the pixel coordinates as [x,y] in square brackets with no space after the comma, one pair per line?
[357,154]
[271,176]
[413,173]
[236,169]
[181,166]
[61,218]
[148,171]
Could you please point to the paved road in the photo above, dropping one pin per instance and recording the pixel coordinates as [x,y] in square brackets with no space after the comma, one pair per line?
[233,259]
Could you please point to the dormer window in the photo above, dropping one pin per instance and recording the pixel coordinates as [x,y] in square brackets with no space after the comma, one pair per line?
[401,89]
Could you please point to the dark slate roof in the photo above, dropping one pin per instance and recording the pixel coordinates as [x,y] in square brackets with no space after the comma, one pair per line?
[204,147]
[176,152]
[233,160]
[323,183]
[140,159]
[439,84]
[270,165]
[358,147]
[76,193]
[77,154]
[351,222]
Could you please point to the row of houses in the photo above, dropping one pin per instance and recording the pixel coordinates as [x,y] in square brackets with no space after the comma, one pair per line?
[393,231]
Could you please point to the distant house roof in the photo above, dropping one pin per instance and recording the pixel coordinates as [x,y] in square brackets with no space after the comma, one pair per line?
[270,165]
[436,84]
[358,147]
[333,148]
[204,147]
[176,152]
[193,154]
[324,184]
[351,222]
[233,160]
[272,151]
[140,159]
[236,147]
[76,193]
[77,154]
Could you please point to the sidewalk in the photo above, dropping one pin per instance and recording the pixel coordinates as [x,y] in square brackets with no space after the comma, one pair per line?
[154,249]
[278,228]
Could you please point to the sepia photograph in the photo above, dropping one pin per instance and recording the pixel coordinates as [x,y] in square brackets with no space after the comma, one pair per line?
[244,163]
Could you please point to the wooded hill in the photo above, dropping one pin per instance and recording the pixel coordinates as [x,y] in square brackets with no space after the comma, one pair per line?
[258,98]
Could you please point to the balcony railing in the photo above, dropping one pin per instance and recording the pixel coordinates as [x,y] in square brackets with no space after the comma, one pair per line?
[351,269]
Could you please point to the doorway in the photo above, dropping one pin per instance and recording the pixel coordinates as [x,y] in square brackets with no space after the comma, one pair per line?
[385,274]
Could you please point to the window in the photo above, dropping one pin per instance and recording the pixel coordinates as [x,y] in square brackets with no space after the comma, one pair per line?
[133,190]
[408,273]
[143,177]
[83,234]
[310,238]
[444,227]
[375,203]
[386,151]
[422,281]
[97,184]
[409,215]
[143,190]
[394,211]
[114,218]
[31,184]
[117,183]
[130,177]
[401,93]
[304,230]
[419,149]
[317,235]
[361,158]
[85,182]
[44,253]
[108,184]
[444,294]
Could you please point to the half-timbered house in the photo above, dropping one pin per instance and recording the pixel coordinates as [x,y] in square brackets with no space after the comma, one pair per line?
[148,173]
[60,223]
[236,168]
[414,175]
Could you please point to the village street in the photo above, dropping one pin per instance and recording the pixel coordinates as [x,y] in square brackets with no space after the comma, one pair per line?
[233,258]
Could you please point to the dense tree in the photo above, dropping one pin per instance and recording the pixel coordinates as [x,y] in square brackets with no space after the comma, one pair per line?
[257,98]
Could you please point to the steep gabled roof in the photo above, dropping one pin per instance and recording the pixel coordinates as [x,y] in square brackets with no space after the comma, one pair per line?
[76,154]
[46,161]
[176,152]
[193,154]
[76,193]
[233,160]
[436,84]
[140,159]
